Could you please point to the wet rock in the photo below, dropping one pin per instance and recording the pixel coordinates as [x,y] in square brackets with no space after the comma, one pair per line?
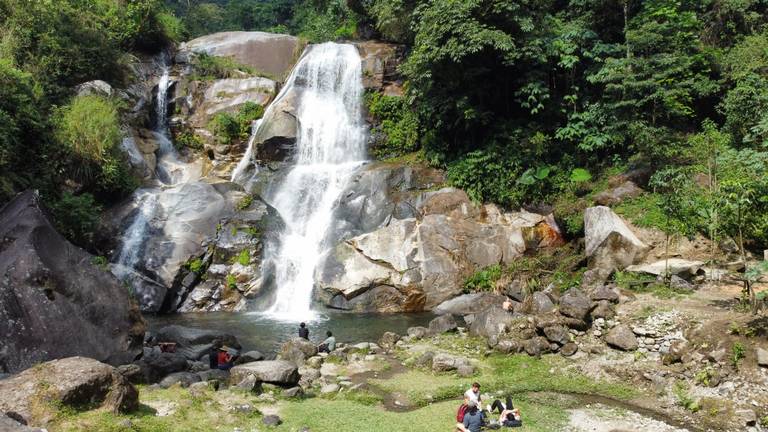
[297,350]
[762,357]
[575,304]
[610,244]
[70,382]
[557,334]
[279,372]
[194,343]
[569,349]
[271,420]
[418,332]
[443,324]
[622,337]
[156,365]
[536,346]
[542,303]
[184,379]
[52,291]
[388,340]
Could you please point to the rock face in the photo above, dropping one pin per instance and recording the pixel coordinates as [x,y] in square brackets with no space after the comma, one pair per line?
[73,382]
[426,259]
[228,95]
[610,244]
[675,266]
[469,304]
[268,53]
[54,301]
[279,372]
[380,62]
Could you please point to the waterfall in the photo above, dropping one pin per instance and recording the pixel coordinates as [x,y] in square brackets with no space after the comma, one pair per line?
[330,147]
[237,174]
[169,169]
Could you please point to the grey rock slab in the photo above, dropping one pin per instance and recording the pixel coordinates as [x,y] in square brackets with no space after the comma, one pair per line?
[280,372]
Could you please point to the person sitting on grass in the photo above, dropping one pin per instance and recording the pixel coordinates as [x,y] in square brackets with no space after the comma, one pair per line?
[509,415]
[473,394]
[329,344]
[473,419]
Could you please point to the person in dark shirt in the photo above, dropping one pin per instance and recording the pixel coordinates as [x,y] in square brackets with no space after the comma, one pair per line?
[226,359]
[473,418]
[303,331]
[213,354]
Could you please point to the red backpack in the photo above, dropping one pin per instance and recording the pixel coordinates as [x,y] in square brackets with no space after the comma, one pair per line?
[461,412]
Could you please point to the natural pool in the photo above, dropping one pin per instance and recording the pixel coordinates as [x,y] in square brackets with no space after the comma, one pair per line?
[260,332]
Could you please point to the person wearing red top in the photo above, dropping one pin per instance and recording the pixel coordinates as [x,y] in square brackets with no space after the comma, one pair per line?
[225,359]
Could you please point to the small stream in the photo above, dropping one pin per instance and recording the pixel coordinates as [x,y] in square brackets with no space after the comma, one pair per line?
[256,331]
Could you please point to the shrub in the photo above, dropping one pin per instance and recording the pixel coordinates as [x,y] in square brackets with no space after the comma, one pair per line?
[684,399]
[228,127]
[188,139]
[244,202]
[397,124]
[483,280]
[737,354]
[244,257]
[90,127]
[208,67]
[172,27]
[195,265]
[76,217]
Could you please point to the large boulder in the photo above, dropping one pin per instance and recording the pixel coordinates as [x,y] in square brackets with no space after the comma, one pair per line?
[55,300]
[71,382]
[267,53]
[432,254]
[155,365]
[380,61]
[575,304]
[616,195]
[469,304]
[180,220]
[674,266]
[610,244]
[278,372]
[297,350]
[443,324]
[492,322]
[622,337]
[228,95]
[194,343]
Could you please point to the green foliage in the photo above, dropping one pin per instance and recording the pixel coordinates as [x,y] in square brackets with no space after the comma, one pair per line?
[737,354]
[393,19]
[483,280]
[244,203]
[195,265]
[89,128]
[228,128]
[231,281]
[681,391]
[324,20]
[397,124]
[101,262]
[244,257]
[188,138]
[172,26]
[209,67]
[76,216]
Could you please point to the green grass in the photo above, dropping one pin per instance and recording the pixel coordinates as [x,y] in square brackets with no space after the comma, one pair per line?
[321,415]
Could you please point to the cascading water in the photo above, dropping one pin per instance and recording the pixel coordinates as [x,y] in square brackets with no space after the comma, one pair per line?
[238,173]
[330,147]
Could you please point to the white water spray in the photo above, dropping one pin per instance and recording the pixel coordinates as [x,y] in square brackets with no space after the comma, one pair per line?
[237,174]
[330,147]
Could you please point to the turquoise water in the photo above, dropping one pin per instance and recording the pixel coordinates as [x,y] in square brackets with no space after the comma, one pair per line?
[257,332]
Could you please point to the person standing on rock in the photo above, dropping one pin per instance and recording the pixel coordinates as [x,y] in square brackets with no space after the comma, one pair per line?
[303,331]
[329,344]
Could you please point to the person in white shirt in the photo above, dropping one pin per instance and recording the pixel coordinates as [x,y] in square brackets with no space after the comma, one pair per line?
[473,394]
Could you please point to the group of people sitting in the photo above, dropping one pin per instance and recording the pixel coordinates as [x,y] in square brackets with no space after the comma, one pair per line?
[328,345]
[471,416]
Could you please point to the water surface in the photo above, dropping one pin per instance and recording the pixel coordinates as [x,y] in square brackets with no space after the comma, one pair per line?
[259,332]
